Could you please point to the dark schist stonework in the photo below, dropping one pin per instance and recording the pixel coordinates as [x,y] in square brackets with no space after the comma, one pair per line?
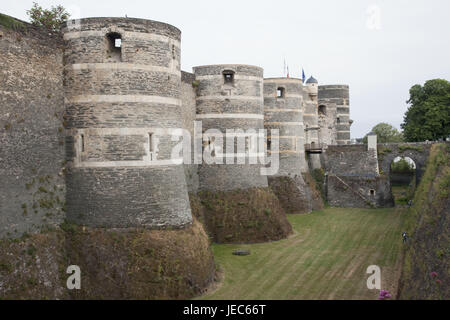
[358,177]
[119,116]
[32,190]
[223,105]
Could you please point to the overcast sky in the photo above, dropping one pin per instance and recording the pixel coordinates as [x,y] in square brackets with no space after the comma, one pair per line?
[379,48]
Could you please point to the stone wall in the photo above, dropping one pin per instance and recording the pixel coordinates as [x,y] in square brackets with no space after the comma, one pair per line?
[358,167]
[188,111]
[327,123]
[285,113]
[358,191]
[32,192]
[350,160]
[340,96]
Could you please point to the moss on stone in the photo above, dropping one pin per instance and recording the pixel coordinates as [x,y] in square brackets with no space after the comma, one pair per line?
[241,216]
[10,23]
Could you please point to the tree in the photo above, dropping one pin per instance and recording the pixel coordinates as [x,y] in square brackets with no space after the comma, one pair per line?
[402,166]
[385,133]
[49,18]
[428,117]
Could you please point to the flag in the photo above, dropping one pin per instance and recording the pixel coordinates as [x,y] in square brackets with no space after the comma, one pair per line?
[284,66]
[303,76]
[287,72]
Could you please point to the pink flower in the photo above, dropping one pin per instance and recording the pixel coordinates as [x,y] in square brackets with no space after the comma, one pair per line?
[434,274]
[384,294]
[438,281]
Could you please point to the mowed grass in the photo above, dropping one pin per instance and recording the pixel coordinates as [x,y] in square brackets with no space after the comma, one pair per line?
[326,258]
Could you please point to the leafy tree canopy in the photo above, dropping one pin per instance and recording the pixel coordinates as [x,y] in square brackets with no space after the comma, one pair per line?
[402,166]
[428,117]
[385,133]
[49,18]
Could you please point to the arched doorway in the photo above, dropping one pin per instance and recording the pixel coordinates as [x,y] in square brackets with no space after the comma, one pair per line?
[402,176]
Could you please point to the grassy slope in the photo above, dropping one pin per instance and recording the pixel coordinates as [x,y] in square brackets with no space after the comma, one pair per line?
[429,227]
[326,258]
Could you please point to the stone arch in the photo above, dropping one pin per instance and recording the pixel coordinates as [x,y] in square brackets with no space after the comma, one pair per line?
[387,152]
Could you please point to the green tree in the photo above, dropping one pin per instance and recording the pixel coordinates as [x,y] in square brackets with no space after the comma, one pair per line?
[385,133]
[428,117]
[402,166]
[49,18]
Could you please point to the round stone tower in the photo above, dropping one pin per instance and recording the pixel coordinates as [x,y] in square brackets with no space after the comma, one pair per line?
[338,95]
[122,94]
[311,123]
[230,97]
[283,100]
[283,110]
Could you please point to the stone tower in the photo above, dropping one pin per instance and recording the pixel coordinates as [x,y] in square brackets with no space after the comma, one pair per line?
[122,98]
[337,97]
[311,123]
[283,110]
[229,97]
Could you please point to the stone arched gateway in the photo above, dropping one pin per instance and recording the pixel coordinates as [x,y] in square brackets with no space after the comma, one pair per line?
[387,152]
[358,175]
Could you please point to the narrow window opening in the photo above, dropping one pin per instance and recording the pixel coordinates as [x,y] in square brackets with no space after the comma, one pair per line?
[372,192]
[280,92]
[228,77]
[173,52]
[269,144]
[114,46]
[209,143]
[151,146]
[338,120]
[322,110]
[82,143]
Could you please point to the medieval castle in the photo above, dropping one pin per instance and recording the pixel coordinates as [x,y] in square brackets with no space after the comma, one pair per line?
[117,86]
[87,120]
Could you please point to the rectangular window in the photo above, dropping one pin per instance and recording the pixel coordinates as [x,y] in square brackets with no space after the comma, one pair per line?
[82,143]
[151,147]
[228,77]
[280,93]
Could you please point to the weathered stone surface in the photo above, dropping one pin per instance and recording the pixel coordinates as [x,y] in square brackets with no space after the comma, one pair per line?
[292,193]
[32,192]
[119,113]
[219,104]
[357,177]
[334,114]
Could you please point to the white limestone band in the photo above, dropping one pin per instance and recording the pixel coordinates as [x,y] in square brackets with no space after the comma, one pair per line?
[123,99]
[125,34]
[124,67]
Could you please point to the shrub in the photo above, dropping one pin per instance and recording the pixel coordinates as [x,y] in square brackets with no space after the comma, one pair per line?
[48,18]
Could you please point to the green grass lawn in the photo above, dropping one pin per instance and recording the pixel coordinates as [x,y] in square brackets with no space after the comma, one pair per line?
[326,258]
[400,194]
